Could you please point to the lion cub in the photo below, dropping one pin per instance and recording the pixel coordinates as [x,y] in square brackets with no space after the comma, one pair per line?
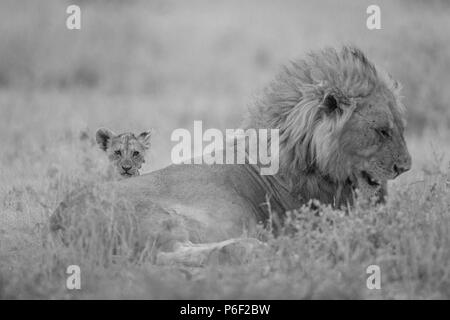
[126,152]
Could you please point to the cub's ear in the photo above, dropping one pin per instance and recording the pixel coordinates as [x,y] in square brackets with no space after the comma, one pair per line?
[144,138]
[103,137]
[397,86]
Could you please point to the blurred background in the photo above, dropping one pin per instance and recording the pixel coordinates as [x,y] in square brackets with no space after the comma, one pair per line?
[162,64]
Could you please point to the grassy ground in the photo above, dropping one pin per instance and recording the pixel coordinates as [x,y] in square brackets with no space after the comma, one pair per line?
[164,64]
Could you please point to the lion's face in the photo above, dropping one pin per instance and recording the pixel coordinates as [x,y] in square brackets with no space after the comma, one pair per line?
[126,151]
[372,143]
[341,126]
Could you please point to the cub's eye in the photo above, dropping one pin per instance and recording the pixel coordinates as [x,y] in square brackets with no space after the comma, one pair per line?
[384,133]
[117,152]
[135,154]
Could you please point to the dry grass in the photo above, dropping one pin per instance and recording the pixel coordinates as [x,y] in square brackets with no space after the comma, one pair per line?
[164,64]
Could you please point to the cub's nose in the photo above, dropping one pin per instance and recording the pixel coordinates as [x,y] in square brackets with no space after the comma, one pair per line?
[126,167]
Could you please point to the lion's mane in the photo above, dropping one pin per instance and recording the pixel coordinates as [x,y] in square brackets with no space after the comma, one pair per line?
[293,103]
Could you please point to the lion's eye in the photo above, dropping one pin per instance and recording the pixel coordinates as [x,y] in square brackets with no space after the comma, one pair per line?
[384,133]
[135,154]
[117,152]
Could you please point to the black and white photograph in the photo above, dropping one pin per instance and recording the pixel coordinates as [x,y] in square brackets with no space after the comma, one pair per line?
[231,150]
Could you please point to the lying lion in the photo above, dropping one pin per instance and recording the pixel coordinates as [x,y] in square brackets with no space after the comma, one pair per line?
[126,151]
[341,125]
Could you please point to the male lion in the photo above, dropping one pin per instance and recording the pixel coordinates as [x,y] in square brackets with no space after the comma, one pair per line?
[341,128]
[126,152]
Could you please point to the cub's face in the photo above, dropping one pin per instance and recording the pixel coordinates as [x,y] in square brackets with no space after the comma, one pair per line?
[125,151]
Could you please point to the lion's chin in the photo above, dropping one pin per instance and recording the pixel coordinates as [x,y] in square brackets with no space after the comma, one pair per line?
[367,179]
[369,187]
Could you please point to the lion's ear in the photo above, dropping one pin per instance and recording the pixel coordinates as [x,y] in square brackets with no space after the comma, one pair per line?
[103,136]
[330,103]
[144,138]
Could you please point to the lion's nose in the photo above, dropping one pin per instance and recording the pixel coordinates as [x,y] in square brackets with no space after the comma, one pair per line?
[402,167]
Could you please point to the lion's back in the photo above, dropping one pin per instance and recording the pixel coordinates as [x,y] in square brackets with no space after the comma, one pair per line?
[201,197]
